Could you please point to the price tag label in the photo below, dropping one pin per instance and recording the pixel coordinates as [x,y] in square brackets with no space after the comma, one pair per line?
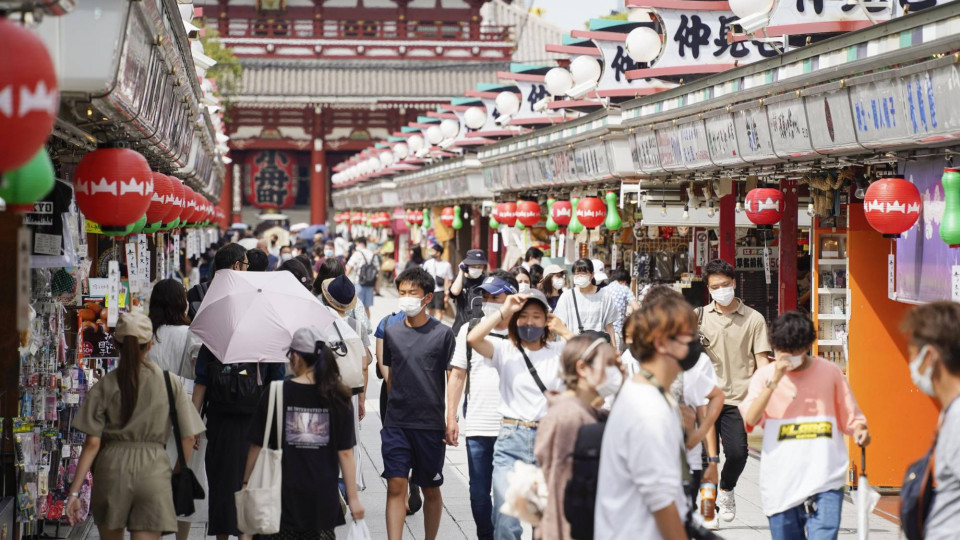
[563,246]
[614,255]
[891,276]
[766,264]
[113,294]
[133,275]
[955,283]
[553,246]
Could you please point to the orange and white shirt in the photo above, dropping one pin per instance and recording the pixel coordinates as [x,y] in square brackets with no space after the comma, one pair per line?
[803,426]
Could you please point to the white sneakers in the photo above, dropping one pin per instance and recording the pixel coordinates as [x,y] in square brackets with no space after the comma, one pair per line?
[726,505]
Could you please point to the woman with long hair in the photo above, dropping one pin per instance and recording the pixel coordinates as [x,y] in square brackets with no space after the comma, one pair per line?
[585,307]
[552,284]
[175,349]
[523,279]
[318,441]
[529,367]
[416,258]
[126,417]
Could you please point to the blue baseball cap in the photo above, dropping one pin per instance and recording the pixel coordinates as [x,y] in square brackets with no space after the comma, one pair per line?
[495,285]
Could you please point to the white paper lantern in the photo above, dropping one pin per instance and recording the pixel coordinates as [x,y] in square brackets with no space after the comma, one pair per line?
[746,8]
[374,164]
[450,128]
[585,69]
[558,81]
[508,103]
[643,44]
[386,158]
[475,117]
[434,135]
[415,142]
[401,150]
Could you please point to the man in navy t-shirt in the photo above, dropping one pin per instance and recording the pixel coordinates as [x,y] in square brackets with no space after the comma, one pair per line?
[417,356]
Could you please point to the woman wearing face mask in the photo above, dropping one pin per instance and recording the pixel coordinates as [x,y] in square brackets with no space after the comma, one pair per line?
[805,406]
[585,307]
[523,279]
[529,367]
[552,284]
[592,373]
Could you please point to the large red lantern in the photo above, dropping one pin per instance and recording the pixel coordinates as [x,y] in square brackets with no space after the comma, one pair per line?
[28,95]
[417,217]
[160,202]
[175,199]
[891,206]
[113,187]
[189,206]
[591,212]
[508,214]
[271,179]
[764,206]
[446,216]
[528,213]
[338,218]
[562,212]
[357,218]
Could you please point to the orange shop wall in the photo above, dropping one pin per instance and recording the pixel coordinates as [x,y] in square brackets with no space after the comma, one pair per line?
[902,420]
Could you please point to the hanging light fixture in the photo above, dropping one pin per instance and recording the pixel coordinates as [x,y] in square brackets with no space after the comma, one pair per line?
[811,211]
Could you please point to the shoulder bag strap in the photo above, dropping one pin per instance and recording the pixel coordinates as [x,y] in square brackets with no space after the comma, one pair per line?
[181,459]
[533,371]
[279,420]
[270,409]
[576,308]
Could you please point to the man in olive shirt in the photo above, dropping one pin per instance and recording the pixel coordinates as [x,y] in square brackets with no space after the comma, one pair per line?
[738,346]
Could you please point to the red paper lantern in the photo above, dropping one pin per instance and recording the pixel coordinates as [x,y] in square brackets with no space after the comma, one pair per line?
[446,216]
[189,206]
[417,218]
[174,199]
[113,187]
[338,218]
[591,212]
[562,212]
[528,213]
[271,179]
[159,203]
[892,206]
[508,214]
[764,206]
[28,95]
[357,218]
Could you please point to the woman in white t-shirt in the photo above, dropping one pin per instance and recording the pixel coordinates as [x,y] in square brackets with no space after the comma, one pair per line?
[585,307]
[531,349]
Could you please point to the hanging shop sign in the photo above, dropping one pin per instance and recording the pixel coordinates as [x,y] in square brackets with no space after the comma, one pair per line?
[721,138]
[830,121]
[789,131]
[617,64]
[878,114]
[645,151]
[820,16]
[271,179]
[753,134]
[930,98]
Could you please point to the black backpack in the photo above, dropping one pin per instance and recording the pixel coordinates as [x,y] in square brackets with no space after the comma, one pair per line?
[369,273]
[580,495]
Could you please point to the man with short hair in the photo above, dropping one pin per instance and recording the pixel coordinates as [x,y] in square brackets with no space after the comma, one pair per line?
[531,257]
[361,257]
[481,417]
[417,354]
[737,346]
[229,257]
[258,260]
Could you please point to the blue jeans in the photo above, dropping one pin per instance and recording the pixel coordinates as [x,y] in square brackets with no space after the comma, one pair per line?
[821,524]
[480,466]
[515,443]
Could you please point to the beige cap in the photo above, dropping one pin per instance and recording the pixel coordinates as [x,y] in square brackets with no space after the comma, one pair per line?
[135,324]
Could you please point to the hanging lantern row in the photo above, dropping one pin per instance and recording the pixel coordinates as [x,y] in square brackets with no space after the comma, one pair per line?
[577,215]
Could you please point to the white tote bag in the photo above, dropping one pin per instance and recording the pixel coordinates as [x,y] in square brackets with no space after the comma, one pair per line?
[258,504]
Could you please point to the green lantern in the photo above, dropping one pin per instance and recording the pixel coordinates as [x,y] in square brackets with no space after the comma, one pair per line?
[950,223]
[153,228]
[426,218]
[172,225]
[139,225]
[575,226]
[457,220]
[551,224]
[494,224]
[22,187]
[124,232]
[613,221]
[519,226]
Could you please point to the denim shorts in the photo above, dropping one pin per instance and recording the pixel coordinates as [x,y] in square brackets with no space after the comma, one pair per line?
[365,295]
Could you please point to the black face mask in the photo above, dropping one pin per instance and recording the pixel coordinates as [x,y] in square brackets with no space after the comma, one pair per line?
[689,361]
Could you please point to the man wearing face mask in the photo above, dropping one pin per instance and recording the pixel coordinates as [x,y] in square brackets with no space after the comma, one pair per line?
[934,348]
[464,290]
[736,341]
[286,253]
[417,353]
[805,407]
[480,415]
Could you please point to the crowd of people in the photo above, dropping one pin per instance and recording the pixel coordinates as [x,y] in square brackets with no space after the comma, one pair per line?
[620,404]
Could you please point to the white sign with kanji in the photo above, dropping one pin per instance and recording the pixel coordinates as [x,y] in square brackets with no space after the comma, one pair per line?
[694,38]
[955,282]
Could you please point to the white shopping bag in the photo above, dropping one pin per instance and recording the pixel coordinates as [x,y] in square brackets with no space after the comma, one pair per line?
[359,531]
[258,504]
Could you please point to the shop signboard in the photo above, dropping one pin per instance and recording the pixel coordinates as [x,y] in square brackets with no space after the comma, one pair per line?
[648,152]
[831,122]
[722,140]
[620,156]
[932,110]
[616,64]
[789,131]
[530,94]
[878,114]
[753,135]
[811,16]
[591,163]
[668,148]
[924,261]
[694,149]
[699,37]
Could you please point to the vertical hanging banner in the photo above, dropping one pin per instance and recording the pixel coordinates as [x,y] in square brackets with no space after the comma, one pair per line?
[955,283]
[892,276]
[113,293]
[176,251]
[143,262]
[23,279]
[161,257]
[133,276]
[766,264]
[614,256]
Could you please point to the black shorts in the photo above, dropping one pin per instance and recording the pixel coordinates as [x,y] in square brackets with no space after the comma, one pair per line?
[437,302]
[419,450]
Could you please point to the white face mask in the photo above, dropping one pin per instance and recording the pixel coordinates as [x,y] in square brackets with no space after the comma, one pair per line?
[612,379]
[722,296]
[411,305]
[489,308]
[924,381]
[581,281]
[475,273]
[558,283]
[795,361]
[284,257]
[523,287]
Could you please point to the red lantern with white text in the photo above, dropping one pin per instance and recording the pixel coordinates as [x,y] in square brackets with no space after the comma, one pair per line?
[591,212]
[189,206]
[176,200]
[446,216]
[417,218]
[528,213]
[508,214]
[357,218]
[160,202]
[764,206]
[113,187]
[891,206]
[28,95]
[562,212]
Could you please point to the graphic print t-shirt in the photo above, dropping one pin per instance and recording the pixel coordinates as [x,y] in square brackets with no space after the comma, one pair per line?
[803,427]
[313,431]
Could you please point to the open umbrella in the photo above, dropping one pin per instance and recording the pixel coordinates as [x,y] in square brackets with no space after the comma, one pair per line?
[866,500]
[251,316]
[308,233]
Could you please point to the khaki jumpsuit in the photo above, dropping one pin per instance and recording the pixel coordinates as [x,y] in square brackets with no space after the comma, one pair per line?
[131,475]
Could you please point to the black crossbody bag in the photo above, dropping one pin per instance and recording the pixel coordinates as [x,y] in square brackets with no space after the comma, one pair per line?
[186,488]
[533,371]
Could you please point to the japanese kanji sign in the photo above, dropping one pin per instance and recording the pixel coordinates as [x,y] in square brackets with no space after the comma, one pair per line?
[700,37]
[271,179]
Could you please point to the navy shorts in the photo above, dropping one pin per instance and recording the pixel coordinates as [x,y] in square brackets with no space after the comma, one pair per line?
[419,450]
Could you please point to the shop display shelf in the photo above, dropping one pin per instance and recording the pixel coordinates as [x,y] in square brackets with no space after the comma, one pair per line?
[831,316]
[829,342]
[831,290]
